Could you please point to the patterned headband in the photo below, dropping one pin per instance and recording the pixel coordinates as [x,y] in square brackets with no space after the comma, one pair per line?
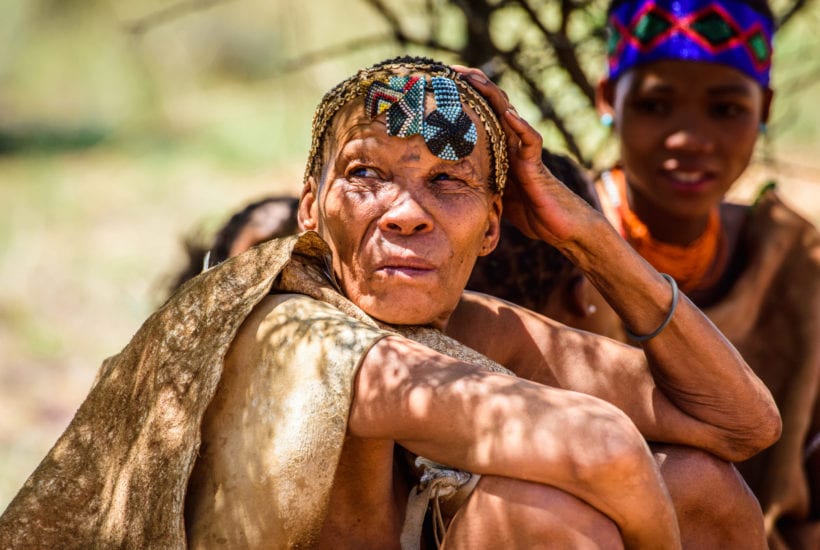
[398,88]
[716,31]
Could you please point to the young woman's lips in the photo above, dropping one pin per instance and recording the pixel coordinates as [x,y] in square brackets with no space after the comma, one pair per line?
[689,180]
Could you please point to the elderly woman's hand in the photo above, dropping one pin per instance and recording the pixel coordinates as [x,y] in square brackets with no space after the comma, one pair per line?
[534,200]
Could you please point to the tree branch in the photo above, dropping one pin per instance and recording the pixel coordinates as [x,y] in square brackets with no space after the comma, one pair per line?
[545,106]
[791,12]
[144,24]
[564,51]
[391,18]
[336,50]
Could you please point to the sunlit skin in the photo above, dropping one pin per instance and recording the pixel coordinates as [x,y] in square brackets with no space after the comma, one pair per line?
[687,131]
[405,226]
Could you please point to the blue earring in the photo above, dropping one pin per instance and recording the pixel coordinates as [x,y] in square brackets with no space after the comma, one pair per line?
[607,120]
[763,128]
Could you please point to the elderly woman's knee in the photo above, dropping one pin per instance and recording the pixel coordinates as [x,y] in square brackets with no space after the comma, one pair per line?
[715,507]
[697,475]
[519,513]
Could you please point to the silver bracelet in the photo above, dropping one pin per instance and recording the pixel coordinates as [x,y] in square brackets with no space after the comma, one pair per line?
[675,294]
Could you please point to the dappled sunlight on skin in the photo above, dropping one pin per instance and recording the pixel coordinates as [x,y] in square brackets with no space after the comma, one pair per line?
[692,475]
[558,350]
[506,425]
[500,508]
[715,507]
[662,407]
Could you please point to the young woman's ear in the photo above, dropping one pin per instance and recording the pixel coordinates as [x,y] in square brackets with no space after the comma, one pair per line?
[308,215]
[768,96]
[605,101]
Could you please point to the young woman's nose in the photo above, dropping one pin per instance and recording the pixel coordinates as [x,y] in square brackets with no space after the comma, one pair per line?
[406,216]
[692,133]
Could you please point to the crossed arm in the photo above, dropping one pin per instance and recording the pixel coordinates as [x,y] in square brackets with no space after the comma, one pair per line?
[686,392]
[488,423]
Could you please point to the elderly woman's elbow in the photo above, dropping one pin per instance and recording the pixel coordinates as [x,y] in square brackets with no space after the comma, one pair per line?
[767,431]
[744,444]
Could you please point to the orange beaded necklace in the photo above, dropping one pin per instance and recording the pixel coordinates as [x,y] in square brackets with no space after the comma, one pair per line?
[694,266]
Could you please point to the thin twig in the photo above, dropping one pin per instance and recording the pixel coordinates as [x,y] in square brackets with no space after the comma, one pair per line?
[791,12]
[391,18]
[337,50]
[146,23]
[564,51]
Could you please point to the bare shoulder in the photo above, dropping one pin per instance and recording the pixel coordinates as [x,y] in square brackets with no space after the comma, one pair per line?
[493,326]
[531,345]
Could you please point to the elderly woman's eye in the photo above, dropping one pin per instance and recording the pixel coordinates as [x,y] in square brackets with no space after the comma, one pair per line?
[363,172]
[447,182]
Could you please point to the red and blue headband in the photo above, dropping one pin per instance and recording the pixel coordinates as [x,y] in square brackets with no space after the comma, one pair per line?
[716,31]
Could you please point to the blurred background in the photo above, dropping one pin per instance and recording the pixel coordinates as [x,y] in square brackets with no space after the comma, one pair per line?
[126,126]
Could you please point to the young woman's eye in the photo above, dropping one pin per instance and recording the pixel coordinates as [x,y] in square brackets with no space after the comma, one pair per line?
[652,106]
[727,110]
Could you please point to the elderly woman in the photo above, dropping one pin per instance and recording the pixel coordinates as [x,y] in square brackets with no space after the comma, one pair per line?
[309,400]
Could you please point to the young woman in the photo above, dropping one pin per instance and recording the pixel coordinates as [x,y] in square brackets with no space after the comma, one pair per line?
[687,95]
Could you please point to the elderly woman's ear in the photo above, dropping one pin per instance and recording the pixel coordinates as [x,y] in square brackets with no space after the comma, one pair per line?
[309,206]
[493,233]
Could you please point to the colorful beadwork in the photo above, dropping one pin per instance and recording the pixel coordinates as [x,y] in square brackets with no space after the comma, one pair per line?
[403,99]
[405,117]
[716,31]
[448,131]
[360,86]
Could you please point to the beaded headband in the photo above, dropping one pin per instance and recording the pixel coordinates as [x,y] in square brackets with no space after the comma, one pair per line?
[716,31]
[398,87]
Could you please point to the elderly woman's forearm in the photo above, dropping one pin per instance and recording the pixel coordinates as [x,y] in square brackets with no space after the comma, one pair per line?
[692,363]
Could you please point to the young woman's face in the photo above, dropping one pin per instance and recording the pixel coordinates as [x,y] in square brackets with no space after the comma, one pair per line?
[687,131]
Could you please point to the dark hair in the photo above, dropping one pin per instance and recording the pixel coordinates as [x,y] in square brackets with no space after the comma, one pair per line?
[760,6]
[522,270]
[220,247]
[226,236]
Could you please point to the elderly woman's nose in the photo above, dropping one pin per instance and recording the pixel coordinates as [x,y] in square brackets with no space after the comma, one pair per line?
[406,215]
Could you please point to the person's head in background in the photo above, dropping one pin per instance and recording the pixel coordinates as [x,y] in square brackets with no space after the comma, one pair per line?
[686,95]
[257,222]
[533,274]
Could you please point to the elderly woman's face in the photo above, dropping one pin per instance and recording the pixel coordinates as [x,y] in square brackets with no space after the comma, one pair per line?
[404,225]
